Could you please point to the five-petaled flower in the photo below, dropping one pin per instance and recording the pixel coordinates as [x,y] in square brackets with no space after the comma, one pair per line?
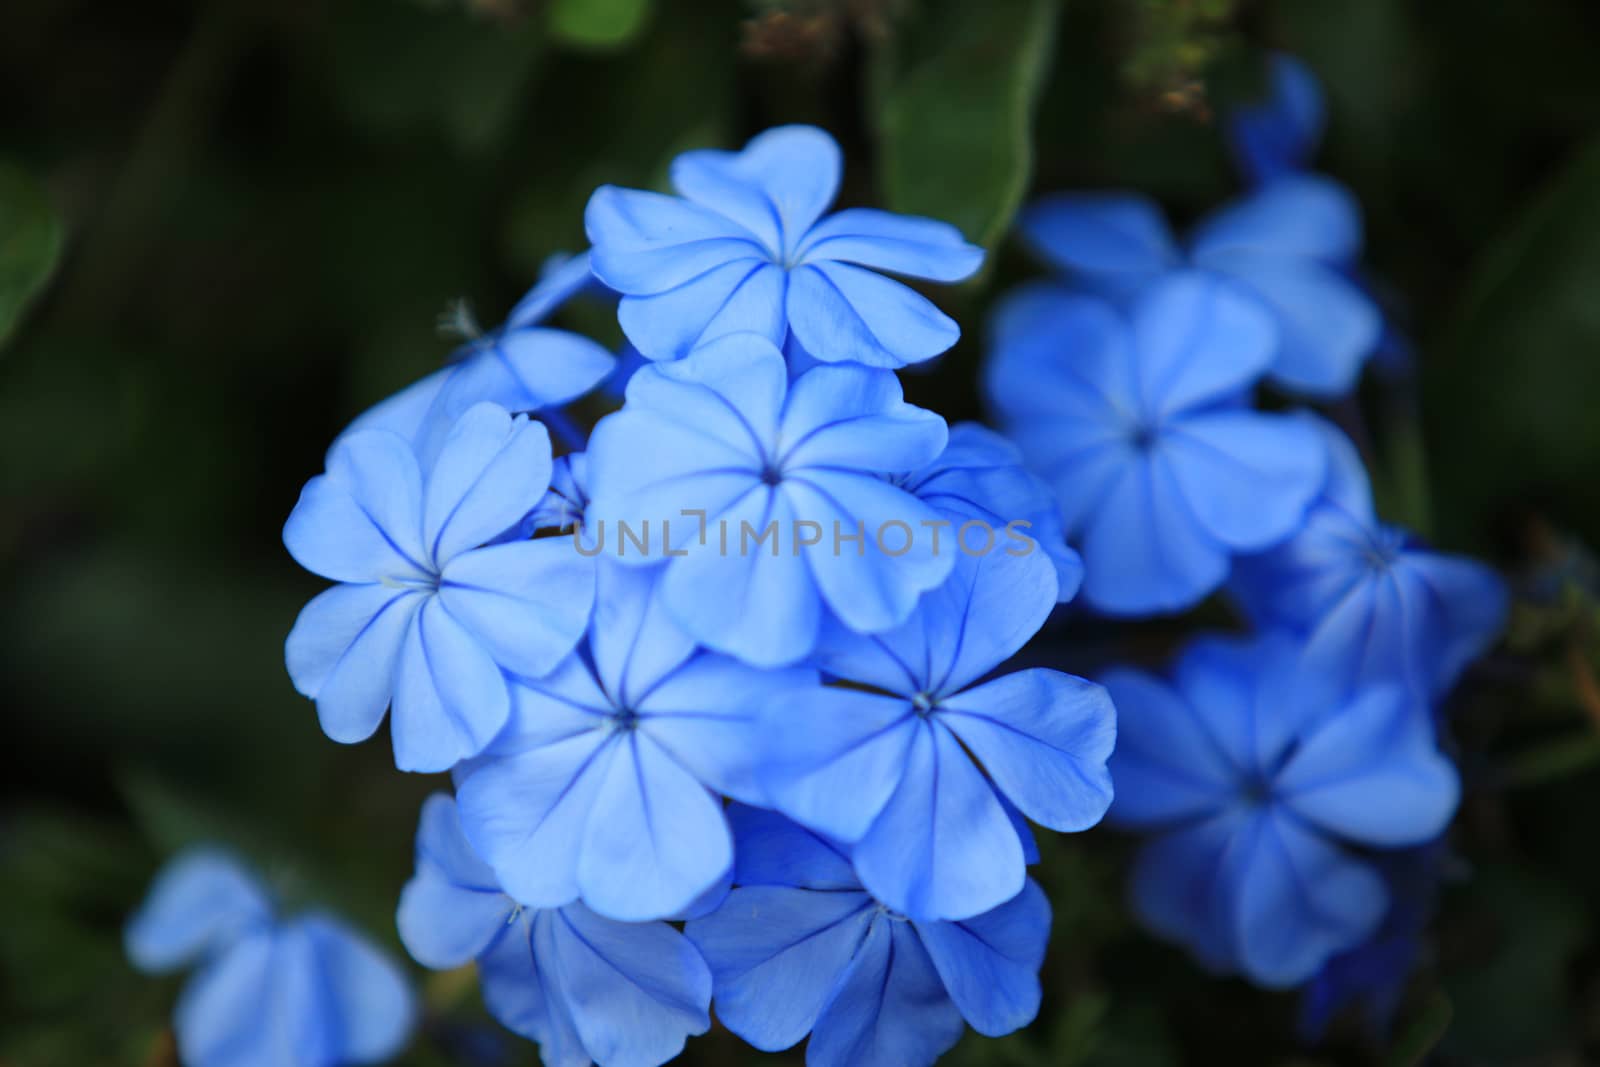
[586,988]
[800,947]
[721,443]
[424,616]
[746,248]
[1259,777]
[889,765]
[1140,420]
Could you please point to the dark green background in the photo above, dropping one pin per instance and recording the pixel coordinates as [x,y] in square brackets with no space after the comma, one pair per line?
[227,227]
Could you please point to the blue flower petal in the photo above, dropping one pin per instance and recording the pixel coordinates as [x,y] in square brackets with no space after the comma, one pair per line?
[1247,478]
[844,313]
[254,1006]
[363,990]
[528,815]
[1043,737]
[656,838]
[1173,889]
[635,991]
[990,963]
[776,188]
[1167,767]
[773,850]
[1327,326]
[900,244]
[1373,774]
[200,904]
[890,1009]
[776,954]
[449,697]
[518,992]
[362,520]
[856,417]
[526,602]
[1143,551]
[1305,216]
[452,909]
[491,471]
[343,651]
[836,756]
[1119,240]
[648,243]
[634,642]
[742,296]
[943,847]
[1197,341]
[1294,899]
[1279,135]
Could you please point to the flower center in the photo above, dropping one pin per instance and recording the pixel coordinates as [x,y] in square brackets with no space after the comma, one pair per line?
[622,720]
[771,475]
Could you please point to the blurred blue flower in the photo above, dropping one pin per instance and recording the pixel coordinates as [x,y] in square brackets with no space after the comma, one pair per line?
[1287,247]
[1258,781]
[302,992]
[890,763]
[1372,977]
[522,366]
[603,786]
[722,442]
[1278,136]
[587,989]
[980,477]
[799,947]
[424,617]
[1372,601]
[745,247]
[1139,419]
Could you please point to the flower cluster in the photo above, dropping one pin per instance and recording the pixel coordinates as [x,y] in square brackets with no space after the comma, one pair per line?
[1292,780]
[722,685]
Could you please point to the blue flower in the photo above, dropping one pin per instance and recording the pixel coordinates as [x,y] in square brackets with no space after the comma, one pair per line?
[1372,601]
[604,784]
[302,992]
[1286,247]
[746,249]
[522,366]
[800,947]
[1140,421]
[980,478]
[424,617]
[1279,135]
[890,763]
[722,443]
[1258,782]
[587,989]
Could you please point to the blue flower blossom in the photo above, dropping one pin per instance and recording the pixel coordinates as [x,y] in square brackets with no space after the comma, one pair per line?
[1259,782]
[302,992]
[800,947]
[1373,602]
[1287,247]
[522,366]
[1278,136]
[745,247]
[721,443]
[1139,419]
[424,617]
[980,477]
[587,989]
[889,764]
[604,784]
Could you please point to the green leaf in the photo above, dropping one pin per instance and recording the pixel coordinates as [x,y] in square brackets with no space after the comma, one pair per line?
[31,236]
[598,23]
[1512,399]
[1423,1034]
[956,95]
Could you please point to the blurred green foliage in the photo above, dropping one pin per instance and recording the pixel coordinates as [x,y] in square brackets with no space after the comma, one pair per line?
[269,202]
